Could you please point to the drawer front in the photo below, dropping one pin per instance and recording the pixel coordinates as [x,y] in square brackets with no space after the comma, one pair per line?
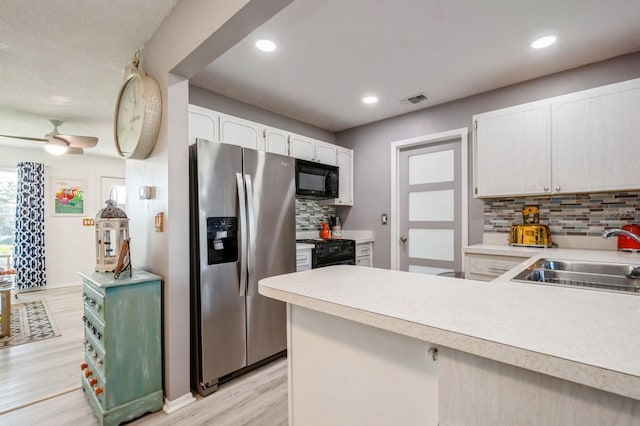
[94,351]
[93,299]
[94,327]
[492,266]
[94,385]
[363,249]
[303,260]
[363,261]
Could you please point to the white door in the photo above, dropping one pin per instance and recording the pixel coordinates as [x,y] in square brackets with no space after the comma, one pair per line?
[326,153]
[513,142]
[302,147]
[276,141]
[236,131]
[597,127]
[430,208]
[203,124]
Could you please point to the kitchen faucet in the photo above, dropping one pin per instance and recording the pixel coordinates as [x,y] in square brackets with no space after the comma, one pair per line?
[608,233]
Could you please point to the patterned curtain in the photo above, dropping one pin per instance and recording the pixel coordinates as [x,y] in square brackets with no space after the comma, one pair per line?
[28,257]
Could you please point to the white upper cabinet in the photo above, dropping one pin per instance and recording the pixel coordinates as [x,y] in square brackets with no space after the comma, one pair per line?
[345,179]
[244,133]
[276,141]
[326,153]
[596,139]
[309,149]
[203,123]
[511,151]
[581,142]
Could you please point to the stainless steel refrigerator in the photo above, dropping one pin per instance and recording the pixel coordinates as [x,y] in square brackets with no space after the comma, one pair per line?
[242,230]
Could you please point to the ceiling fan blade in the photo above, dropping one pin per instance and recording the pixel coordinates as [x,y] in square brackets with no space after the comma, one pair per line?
[74,150]
[78,141]
[24,137]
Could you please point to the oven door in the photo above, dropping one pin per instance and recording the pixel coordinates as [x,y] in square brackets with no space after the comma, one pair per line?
[349,261]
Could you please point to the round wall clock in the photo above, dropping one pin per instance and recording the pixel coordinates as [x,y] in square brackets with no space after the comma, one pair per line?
[138,114]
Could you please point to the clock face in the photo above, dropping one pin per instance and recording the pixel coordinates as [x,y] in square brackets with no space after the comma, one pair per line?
[130,116]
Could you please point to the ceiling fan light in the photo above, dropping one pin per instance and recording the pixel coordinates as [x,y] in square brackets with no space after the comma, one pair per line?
[55,147]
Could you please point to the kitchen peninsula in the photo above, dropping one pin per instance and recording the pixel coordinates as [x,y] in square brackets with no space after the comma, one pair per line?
[372,346]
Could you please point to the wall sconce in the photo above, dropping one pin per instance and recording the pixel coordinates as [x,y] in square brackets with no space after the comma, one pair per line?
[145,192]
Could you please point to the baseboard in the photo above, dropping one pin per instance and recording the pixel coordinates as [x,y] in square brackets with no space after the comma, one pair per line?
[176,404]
[48,287]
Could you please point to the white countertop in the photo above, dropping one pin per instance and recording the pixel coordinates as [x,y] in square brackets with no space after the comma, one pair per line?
[359,236]
[585,336]
[505,250]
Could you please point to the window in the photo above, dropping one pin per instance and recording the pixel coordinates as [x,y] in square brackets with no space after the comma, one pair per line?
[8,188]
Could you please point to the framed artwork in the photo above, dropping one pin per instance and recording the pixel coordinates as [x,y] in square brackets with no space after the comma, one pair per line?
[68,196]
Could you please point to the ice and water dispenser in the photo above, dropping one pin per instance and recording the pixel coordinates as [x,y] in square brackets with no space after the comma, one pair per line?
[222,240]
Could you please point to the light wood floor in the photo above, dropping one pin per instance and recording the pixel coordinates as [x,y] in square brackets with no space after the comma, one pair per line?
[40,381]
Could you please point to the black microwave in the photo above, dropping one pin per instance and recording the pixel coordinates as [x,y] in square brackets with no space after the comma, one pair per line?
[316,180]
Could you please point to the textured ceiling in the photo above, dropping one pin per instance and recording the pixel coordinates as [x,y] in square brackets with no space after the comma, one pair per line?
[65,60]
[332,52]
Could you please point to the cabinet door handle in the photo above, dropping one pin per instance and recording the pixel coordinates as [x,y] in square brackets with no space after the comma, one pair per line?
[546,189]
[558,188]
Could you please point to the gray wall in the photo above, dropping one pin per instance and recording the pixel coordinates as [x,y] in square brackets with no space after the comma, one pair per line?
[371,142]
[221,103]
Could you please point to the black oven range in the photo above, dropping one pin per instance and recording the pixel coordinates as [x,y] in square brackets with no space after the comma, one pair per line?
[331,252]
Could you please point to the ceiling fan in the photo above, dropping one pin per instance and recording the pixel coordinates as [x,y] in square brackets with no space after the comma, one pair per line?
[57,144]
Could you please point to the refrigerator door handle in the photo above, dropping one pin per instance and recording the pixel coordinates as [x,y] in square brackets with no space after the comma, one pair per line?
[243,236]
[251,251]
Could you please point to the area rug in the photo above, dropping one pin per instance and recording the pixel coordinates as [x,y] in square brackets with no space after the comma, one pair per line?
[30,322]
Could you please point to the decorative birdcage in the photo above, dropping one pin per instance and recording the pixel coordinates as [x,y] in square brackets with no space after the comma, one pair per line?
[112,229]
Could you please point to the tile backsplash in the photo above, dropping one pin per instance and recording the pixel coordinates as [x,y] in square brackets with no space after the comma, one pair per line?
[578,214]
[309,214]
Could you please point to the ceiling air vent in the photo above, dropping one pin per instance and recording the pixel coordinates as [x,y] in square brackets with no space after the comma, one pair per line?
[415,99]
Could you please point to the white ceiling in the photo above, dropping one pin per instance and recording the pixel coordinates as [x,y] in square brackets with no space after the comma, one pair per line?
[333,52]
[65,59]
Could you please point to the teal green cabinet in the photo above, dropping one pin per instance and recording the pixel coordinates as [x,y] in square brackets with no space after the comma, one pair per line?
[122,372]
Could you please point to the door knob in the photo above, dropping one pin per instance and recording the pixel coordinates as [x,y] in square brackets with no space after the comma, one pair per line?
[403,239]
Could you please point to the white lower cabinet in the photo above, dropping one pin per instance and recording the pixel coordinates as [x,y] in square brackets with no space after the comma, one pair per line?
[474,390]
[487,267]
[364,254]
[303,259]
[342,372]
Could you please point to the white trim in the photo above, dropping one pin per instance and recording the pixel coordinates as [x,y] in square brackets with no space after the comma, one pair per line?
[396,146]
[176,404]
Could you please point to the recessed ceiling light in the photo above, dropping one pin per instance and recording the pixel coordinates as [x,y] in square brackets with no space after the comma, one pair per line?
[266,45]
[370,99]
[544,42]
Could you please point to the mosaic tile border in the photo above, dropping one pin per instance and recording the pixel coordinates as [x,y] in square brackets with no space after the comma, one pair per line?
[309,214]
[579,214]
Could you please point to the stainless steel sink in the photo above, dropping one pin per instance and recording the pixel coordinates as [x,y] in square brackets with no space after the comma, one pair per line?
[592,275]
[585,267]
